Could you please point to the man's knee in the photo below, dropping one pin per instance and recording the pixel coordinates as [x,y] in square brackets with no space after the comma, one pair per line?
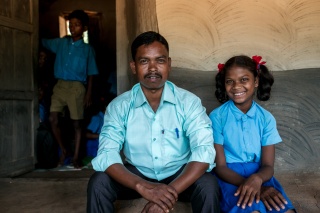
[208,184]
[98,180]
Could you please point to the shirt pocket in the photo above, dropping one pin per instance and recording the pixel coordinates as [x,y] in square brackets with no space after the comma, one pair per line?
[80,65]
[175,144]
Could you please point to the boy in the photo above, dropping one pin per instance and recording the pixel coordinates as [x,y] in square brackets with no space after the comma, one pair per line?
[74,68]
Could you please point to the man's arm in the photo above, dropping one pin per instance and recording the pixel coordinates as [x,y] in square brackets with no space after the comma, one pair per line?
[191,172]
[163,195]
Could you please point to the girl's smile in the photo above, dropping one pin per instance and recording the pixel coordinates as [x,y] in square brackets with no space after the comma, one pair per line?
[240,86]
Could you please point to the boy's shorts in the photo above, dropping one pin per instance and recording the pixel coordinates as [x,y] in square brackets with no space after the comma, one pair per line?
[71,94]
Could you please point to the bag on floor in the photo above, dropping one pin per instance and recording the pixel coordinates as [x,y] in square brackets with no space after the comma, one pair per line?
[46,148]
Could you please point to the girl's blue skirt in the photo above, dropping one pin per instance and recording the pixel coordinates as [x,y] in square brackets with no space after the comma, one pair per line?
[228,202]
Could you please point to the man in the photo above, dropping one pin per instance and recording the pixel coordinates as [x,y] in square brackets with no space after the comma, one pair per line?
[166,138]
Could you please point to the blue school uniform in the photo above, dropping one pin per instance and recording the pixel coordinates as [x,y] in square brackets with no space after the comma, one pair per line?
[75,61]
[242,136]
[94,126]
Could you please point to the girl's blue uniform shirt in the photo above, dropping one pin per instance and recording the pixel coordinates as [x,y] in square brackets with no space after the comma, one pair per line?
[243,135]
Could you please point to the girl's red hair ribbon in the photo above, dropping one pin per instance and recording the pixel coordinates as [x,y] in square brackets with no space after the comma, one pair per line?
[220,67]
[257,60]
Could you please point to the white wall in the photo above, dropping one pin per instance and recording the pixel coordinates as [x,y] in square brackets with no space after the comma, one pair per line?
[203,33]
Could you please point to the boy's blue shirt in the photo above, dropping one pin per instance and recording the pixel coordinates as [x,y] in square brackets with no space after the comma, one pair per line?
[74,60]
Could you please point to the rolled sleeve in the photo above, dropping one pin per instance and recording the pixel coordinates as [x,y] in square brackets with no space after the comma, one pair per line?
[110,140]
[199,131]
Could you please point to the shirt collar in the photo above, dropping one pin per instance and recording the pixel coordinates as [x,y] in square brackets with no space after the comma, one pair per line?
[167,95]
[239,114]
[76,43]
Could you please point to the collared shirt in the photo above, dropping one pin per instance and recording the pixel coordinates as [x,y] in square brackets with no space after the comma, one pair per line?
[243,135]
[74,60]
[96,123]
[157,143]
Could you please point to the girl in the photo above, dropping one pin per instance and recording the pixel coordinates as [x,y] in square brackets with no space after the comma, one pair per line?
[245,135]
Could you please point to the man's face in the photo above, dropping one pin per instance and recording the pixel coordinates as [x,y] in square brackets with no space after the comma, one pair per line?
[152,66]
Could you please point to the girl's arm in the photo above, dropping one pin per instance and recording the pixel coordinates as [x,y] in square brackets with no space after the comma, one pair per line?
[251,187]
[269,195]
[221,169]
[267,163]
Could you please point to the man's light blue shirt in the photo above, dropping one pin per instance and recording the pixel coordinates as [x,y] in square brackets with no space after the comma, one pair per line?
[243,135]
[157,144]
[74,60]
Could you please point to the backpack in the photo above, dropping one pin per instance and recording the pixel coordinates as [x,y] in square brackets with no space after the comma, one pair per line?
[46,148]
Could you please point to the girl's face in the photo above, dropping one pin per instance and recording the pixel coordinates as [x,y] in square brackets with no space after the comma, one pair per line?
[240,86]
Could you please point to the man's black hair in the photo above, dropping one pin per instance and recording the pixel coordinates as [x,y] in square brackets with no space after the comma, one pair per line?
[147,38]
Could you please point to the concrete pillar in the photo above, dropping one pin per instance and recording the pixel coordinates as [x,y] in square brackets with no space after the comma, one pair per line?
[132,18]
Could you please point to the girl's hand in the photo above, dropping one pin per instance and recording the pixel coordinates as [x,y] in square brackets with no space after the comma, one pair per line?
[272,198]
[248,191]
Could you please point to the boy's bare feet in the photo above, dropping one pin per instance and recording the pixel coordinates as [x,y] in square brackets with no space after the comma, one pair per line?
[62,158]
[76,163]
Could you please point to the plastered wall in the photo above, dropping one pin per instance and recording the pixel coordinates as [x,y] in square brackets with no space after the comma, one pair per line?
[203,33]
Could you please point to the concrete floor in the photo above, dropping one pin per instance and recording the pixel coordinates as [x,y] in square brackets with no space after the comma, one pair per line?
[65,191]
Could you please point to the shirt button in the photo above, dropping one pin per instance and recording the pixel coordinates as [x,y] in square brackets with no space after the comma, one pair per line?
[156,158]
[69,53]
[154,139]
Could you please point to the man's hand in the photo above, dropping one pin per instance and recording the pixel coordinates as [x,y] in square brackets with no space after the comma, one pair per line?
[152,208]
[249,191]
[272,198]
[163,195]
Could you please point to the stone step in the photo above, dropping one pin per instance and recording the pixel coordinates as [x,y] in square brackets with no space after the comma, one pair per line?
[136,205]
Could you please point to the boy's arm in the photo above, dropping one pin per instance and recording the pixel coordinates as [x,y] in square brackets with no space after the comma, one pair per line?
[51,44]
[87,98]
[191,172]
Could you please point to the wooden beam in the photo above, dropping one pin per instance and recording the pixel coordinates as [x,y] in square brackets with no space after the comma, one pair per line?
[15,24]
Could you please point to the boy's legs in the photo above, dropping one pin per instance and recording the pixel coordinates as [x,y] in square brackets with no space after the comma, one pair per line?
[76,108]
[57,135]
[77,137]
[103,191]
[57,105]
